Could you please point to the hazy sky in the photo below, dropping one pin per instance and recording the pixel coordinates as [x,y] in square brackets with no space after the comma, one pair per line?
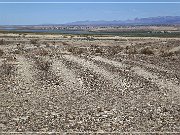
[63,13]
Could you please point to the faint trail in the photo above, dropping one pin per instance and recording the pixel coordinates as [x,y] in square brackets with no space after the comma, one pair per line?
[154,78]
[175,49]
[1,62]
[24,69]
[143,73]
[115,79]
[90,65]
[105,60]
[152,66]
[67,75]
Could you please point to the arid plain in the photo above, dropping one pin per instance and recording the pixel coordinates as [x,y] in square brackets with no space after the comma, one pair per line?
[80,83]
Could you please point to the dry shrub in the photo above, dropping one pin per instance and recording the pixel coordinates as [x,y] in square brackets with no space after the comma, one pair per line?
[166,53]
[146,51]
[90,38]
[16,51]
[2,42]
[177,52]
[34,41]
[95,50]
[76,50]
[64,43]
[43,65]
[169,53]
[20,48]
[10,58]
[114,50]
[132,50]
[40,52]
[7,69]
[1,52]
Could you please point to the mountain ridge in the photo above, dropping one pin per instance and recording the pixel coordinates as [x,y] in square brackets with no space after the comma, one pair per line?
[160,20]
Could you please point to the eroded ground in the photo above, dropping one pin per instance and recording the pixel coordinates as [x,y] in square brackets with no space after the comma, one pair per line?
[54,83]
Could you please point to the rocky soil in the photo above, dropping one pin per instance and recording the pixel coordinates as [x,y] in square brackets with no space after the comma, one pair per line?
[79,84]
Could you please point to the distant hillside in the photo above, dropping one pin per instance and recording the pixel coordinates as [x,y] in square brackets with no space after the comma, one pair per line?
[161,20]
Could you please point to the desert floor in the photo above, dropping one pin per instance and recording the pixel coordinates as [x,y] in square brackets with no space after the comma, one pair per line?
[71,83]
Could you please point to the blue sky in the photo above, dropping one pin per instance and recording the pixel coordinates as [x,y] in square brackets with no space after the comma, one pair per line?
[19,14]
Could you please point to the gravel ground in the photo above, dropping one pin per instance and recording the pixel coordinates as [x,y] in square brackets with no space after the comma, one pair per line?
[98,87]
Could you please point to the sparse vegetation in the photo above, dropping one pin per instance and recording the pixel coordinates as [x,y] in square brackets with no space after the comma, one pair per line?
[83,86]
[2,42]
[43,65]
[147,51]
[1,52]
[166,54]
[34,41]
[76,50]
[64,43]
[114,50]
[39,52]
[7,69]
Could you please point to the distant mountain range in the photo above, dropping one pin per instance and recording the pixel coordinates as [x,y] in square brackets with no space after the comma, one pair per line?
[160,20]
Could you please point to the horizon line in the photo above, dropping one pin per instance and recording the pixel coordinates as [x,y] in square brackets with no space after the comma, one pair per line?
[90,2]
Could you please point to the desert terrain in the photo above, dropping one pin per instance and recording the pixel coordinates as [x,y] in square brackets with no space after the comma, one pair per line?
[93,84]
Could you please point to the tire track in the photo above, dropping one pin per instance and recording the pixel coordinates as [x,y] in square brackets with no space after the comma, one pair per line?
[24,70]
[102,85]
[175,49]
[116,80]
[133,99]
[159,71]
[22,95]
[71,80]
[73,84]
[143,73]
[92,91]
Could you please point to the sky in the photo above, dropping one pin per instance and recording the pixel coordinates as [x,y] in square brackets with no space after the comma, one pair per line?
[34,14]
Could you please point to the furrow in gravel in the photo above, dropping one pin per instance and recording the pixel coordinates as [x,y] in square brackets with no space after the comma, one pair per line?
[175,49]
[160,71]
[24,70]
[98,92]
[72,81]
[144,73]
[102,85]
[111,62]
[116,80]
